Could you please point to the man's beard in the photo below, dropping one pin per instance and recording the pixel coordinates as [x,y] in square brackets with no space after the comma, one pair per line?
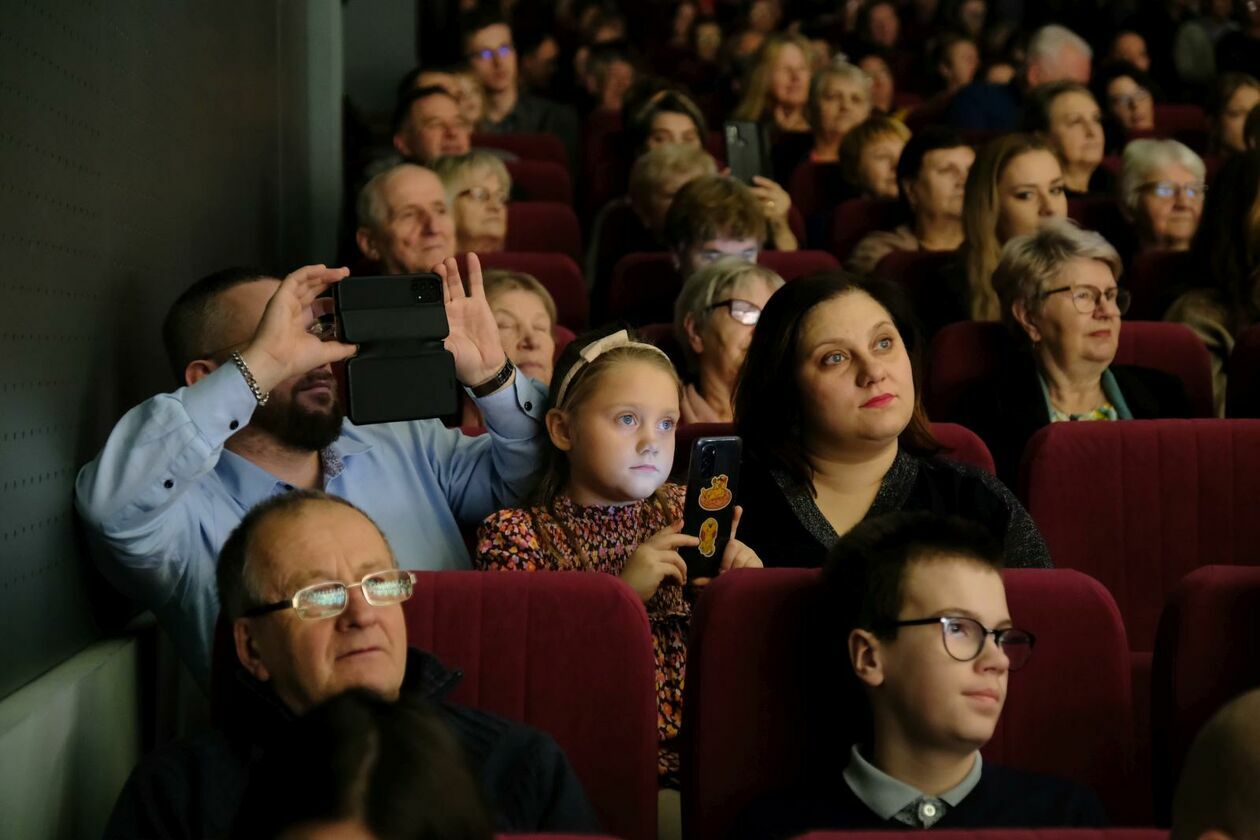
[297,426]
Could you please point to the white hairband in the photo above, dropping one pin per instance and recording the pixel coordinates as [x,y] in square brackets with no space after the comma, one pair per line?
[592,351]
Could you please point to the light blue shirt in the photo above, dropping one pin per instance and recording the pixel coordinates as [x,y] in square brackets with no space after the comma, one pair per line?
[163,495]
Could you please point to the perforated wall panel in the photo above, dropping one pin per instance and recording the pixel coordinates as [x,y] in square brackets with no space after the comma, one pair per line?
[139,150]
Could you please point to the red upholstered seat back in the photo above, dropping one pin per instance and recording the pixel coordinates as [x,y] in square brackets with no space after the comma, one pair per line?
[855,218]
[557,272]
[547,226]
[962,444]
[1207,652]
[816,187]
[1174,349]
[1137,505]
[759,703]
[1152,278]
[645,284]
[1242,395]
[526,146]
[567,652]
[969,350]
[540,180]
[998,834]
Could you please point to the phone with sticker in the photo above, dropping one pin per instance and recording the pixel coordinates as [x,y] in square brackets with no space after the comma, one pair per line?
[712,481]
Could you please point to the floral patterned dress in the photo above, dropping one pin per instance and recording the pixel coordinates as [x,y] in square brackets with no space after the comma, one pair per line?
[601,539]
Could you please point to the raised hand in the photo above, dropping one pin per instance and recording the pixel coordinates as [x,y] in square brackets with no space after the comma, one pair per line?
[775,201]
[657,559]
[283,345]
[474,336]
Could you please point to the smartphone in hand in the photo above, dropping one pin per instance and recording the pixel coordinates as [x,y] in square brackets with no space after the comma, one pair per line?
[402,371]
[712,481]
[747,150]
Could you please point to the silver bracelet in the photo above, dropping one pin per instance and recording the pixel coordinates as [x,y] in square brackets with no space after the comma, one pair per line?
[250,380]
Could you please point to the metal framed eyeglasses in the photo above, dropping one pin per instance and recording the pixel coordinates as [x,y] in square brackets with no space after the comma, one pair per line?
[330,598]
[743,311]
[1169,189]
[964,638]
[1086,298]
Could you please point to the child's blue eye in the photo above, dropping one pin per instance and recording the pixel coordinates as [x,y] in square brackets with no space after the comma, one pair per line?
[626,420]
[667,424]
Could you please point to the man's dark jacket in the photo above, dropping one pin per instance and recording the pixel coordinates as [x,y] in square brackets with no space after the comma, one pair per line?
[193,787]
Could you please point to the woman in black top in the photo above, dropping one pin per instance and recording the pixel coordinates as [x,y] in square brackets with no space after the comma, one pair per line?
[828,407]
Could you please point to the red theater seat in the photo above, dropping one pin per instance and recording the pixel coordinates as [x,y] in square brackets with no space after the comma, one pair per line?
[1137,505]
[761,710]
[998,834]
[855,218]
[644,285]
[1242,395]
[567,652]
[1207,652]
[1152,278]
[817,187]
[540,180]
[1102,214]
[558,272]
[546,226]
[964,352]
[662,335]
[526,146]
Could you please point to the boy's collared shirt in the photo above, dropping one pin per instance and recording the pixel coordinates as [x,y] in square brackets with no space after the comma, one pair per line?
[893,799]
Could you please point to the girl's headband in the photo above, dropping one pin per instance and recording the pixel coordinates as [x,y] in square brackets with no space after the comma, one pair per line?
[592,351]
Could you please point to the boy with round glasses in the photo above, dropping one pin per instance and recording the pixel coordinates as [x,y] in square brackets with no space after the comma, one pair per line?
[920,611]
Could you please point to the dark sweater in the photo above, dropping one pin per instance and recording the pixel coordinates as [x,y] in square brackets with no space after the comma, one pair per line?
[1005,410]
[783,525]
[193,787]
[1003,798]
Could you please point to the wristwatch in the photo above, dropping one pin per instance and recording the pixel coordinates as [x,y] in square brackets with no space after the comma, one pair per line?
[495,382]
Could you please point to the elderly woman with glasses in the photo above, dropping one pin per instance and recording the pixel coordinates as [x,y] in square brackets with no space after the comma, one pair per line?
[714,318]
[477,188]
[1060,299]
[1161,193]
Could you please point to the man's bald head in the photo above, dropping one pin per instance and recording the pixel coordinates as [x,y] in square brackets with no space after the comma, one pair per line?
[1220,782]
[201,319]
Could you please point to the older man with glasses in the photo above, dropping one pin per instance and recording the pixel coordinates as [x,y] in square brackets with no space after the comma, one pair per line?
[313,594]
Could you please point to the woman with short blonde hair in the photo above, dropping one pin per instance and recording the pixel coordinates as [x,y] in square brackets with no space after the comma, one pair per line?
[839,99]
[1061,300]
[477,189]
[714,318]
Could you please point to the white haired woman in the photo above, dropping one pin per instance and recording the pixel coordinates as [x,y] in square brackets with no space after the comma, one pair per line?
[1162,185]
[839,99]
[714,318]
[477,188]
[1061,300]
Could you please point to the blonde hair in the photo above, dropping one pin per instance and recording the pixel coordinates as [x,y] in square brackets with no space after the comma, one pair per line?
[837,69]
[1033,261]
[981,249]
[706,285]
[457,170]
[654,166]
[868,131]
[580,379]
[755,103]
[500,280]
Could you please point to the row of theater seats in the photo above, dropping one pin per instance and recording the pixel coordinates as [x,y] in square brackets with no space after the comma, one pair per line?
[1131,512]
[571,653]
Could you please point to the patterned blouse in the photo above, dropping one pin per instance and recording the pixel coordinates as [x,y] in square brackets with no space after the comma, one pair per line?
[601,539]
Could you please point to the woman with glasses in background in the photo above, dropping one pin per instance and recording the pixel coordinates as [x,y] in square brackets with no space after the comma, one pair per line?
[477,188]
[1060,299]
[714,318]
[1162,185]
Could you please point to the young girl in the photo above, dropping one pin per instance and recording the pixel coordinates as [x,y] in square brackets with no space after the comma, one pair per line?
[604,504]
